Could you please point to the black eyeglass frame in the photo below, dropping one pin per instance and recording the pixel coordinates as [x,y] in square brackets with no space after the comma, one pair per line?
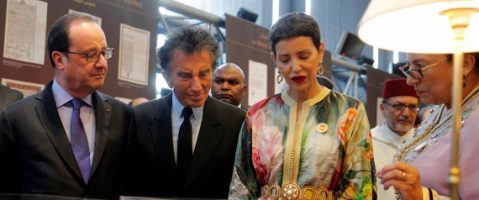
[417,73]
[107,54]
[400,106]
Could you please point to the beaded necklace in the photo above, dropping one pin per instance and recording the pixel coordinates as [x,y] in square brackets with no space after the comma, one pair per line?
[425,135]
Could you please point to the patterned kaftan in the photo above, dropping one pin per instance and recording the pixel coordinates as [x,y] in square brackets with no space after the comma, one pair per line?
[429,150]
[328,146]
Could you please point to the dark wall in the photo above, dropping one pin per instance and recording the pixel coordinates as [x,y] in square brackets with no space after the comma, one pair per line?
[247,41]
[375,84]
[141,14]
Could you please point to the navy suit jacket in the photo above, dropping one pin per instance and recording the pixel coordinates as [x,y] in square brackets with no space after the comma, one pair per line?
[36,156]
[153,169]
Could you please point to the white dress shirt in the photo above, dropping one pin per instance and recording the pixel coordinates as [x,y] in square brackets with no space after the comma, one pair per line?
[177,120]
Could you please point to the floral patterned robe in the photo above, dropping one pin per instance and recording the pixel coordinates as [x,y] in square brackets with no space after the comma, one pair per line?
[335,146]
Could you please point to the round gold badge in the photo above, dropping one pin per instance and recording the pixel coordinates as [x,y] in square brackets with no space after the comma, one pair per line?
[322,127]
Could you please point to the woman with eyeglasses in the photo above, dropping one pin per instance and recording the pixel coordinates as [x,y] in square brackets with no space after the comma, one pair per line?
[307,142]
[423,162]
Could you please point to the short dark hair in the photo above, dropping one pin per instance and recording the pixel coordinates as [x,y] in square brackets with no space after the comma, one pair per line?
[293,25]
[58,35]
[189,40]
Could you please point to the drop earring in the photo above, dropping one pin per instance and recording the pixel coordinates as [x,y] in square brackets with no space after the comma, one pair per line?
[279,78]
[321,69]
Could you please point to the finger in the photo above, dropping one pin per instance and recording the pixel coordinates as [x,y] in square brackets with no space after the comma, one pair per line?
[399,185]
[394,166]
[390,166]
[408,169]
[407,183]
[392,175]
[407,191]
[403,176]
[379,174]
[395,184]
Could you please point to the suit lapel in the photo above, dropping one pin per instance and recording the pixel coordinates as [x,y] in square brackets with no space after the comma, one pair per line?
[162,136]
[208,138]
[102,121]
[47,113]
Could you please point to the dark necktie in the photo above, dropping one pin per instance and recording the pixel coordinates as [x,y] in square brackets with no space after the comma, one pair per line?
[79,140]
[184,148]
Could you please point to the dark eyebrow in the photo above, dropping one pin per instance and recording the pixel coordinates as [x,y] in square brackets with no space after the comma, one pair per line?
[91,50]
[304,51]
[205,71]
[283,55]
[183,73]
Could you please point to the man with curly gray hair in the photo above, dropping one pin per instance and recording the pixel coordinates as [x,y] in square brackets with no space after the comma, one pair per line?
[185,142]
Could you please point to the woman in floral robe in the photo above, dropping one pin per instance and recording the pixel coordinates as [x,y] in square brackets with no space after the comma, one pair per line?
[308,142]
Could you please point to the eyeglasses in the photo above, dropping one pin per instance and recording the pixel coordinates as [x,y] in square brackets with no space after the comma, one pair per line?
[93,56]
[400,107]
[417,73]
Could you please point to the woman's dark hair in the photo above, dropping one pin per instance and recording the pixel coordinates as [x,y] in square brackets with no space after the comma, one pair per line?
[293,25]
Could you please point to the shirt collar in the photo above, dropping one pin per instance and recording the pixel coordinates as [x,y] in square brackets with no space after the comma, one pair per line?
[62,97]
[309,102]
[178,107]
[386,134]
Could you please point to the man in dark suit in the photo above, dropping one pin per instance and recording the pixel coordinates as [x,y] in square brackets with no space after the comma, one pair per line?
[69,139]
[8,96]
[168,161]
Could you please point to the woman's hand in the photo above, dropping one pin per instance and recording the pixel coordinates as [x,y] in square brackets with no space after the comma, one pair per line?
[404,178]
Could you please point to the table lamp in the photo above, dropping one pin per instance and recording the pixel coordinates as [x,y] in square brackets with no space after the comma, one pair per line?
[427,26]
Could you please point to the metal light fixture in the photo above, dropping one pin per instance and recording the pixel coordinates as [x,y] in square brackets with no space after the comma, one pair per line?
[427,26]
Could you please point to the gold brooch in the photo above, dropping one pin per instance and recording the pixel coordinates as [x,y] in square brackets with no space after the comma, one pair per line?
[291,191]
[322,127]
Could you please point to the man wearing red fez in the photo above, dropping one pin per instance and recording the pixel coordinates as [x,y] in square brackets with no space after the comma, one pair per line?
[399,107]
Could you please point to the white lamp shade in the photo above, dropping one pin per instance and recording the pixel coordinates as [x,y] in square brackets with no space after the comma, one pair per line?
[416,26]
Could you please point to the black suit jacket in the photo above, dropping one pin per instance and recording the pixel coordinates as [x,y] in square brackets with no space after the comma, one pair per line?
[8,96]
[36,156]
[153,170]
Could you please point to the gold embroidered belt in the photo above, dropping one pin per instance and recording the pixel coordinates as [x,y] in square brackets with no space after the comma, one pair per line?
[294,192]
